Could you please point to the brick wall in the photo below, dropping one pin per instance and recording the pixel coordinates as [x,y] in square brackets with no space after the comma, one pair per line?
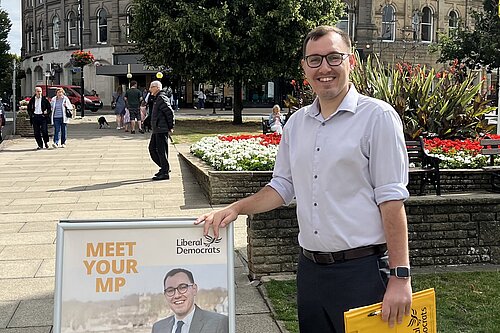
[451,230]
[222,187]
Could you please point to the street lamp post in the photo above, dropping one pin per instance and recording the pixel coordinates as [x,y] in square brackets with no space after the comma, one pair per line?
[82,101]
[129,75]
[47,75]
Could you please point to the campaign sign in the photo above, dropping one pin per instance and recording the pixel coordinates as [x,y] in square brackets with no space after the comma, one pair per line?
[111,276]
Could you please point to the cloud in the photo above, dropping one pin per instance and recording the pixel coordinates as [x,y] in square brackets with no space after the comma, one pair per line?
[13,8]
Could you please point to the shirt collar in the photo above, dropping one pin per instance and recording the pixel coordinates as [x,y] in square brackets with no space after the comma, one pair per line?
[349,103]
[187,320]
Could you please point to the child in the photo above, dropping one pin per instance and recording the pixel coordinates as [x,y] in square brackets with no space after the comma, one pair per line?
[276,120]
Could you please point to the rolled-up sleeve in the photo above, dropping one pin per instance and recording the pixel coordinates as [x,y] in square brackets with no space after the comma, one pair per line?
[388,158]
[282,174]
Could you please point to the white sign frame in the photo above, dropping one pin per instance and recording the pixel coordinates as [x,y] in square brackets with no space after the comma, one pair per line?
[68,230]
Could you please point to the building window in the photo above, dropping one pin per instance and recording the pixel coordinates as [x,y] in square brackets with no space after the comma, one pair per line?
[102,26]
[426,25]
[29,39]
[56,24]
[72,29]
[130,19]
[343,22]
[29,3]
[388,24]
[40,37]
[453,21]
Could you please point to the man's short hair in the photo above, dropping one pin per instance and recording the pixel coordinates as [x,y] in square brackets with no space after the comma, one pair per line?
[156,83]
[39,88]
[133,83]
[177,271]
[323,30]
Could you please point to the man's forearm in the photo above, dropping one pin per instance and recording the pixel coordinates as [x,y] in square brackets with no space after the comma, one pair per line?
[396,232]
[265,200]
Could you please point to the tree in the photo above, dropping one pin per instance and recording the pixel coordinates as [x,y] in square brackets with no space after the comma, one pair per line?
[475,47]
[5,57]
[228,41]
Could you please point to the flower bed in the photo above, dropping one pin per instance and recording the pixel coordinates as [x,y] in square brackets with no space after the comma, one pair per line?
[238,153]
[258,152]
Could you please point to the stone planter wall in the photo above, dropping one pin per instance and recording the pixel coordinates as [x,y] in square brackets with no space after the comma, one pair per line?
[23,126]
[223,187]
[454,230]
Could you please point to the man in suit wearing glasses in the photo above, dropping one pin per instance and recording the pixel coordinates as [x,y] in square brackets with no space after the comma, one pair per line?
[180,291]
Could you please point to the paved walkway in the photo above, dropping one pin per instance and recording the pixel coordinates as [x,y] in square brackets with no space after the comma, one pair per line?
[100,174]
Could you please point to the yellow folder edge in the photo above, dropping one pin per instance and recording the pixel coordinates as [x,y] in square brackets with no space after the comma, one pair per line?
[422,318]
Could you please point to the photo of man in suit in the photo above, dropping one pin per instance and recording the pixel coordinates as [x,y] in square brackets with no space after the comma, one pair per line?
[180,291]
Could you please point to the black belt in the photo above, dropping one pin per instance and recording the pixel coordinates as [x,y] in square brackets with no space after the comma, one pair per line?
[327,258]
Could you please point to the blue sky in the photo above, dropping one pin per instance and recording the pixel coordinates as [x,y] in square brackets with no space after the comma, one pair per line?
[13,8]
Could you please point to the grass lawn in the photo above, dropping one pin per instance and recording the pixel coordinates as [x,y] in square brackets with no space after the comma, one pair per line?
[192,130]
[466,302]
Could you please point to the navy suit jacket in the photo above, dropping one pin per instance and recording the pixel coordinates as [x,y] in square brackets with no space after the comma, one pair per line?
[203,322]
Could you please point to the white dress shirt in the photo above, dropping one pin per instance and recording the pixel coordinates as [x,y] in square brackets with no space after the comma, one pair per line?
[187,322]
[340,169]
[38,105]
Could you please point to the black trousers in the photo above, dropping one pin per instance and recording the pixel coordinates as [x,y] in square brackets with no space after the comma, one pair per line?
[158,150]
[41,129]
[325,292]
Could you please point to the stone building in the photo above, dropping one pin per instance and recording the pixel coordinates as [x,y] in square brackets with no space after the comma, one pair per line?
[399,30]
[51,32]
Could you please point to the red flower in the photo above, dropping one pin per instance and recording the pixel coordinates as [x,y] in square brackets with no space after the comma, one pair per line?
[293,83]
[305,82]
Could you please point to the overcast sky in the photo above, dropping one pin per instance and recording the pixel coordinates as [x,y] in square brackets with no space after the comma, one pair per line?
[13,8]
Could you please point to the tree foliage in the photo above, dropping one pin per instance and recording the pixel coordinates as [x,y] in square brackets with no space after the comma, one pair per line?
[5,57]
[228,41]
[475,47]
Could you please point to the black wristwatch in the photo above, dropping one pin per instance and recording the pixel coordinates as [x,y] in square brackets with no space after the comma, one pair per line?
[401,272]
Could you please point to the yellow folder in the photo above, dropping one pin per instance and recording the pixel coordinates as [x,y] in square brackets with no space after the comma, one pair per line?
[422,317]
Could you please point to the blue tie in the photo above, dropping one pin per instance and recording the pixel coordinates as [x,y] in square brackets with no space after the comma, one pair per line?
[179,326]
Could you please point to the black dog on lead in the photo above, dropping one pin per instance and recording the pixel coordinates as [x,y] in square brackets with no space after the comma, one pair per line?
[102,122]
[146,124]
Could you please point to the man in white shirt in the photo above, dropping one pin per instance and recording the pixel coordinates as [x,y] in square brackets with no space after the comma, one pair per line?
[180,292]
[39,112]
[344,160]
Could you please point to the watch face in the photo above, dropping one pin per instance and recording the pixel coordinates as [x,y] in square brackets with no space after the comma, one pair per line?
[403,272]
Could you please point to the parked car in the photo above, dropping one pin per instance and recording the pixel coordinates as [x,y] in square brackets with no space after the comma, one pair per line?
[92,102]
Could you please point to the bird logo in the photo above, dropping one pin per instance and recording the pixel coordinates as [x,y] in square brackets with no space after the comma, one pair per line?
[209,240]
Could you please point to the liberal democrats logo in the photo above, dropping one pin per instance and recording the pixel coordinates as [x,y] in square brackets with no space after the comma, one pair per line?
[208,244]
[419,321]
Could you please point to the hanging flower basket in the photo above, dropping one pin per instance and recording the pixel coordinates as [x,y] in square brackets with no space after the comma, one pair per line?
[81,58]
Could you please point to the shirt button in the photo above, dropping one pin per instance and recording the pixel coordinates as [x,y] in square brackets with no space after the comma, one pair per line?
[315,204]
[317,149]
[323,124]
[315,232]
[315,176]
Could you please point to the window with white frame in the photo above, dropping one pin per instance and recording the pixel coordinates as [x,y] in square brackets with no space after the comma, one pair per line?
[56,24]
[39,42]
[426,25]
[102,26]
[388,24]
[72,29]
[453,21]
[130,18]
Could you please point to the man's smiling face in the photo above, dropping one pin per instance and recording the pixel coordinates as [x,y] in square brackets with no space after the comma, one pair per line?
[328,82]
[181,304]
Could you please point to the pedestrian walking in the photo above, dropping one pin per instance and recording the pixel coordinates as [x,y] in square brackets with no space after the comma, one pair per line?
[133,98]
[39,112]
[162,123]
[118,104]
[344,160]
[62,107]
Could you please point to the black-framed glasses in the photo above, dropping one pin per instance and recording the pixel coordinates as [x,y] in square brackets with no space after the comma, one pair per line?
[333,59]
[182,289]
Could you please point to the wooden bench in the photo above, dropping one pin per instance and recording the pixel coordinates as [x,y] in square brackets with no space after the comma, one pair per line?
[427,166]
[491,148]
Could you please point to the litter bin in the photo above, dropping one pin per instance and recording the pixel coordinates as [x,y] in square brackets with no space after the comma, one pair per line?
[228,103]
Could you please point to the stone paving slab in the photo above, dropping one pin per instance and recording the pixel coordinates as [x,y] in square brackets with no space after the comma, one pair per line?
[7,310]
[12,269]
[40,329]
[35,251]
[47,268]
[26,288]
[33,312]
[6,228]
[27,238]
[39,226]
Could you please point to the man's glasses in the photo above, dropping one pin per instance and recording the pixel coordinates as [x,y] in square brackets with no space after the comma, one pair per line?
[333,59]
[182,289]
